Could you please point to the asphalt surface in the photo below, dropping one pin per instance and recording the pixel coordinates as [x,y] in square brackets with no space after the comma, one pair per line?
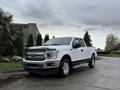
[105,76]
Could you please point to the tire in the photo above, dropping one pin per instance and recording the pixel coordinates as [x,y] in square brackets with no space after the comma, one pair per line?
[65,68]
[91,63]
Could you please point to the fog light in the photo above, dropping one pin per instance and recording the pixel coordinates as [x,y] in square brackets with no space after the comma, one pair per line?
[51,64]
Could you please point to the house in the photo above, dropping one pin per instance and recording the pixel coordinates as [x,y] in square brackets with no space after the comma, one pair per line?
[30,28]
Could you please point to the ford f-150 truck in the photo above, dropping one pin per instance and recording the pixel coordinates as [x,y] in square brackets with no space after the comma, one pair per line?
[58,55]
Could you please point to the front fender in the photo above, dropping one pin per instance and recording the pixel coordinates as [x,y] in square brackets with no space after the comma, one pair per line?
[61,54]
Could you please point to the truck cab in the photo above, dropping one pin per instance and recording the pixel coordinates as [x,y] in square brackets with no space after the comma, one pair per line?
[58,55]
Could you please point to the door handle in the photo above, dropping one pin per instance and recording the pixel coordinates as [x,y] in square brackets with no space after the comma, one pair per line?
[82,50]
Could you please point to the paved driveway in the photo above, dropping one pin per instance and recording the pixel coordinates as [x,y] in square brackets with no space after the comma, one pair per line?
[105,76]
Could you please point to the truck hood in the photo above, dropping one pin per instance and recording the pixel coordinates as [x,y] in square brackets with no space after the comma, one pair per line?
[51,47]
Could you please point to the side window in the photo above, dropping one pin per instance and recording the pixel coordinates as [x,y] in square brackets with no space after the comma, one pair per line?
[79,42]
[82,43]
[76,41]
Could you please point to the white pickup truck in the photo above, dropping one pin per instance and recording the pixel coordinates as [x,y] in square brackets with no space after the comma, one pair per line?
[58,55]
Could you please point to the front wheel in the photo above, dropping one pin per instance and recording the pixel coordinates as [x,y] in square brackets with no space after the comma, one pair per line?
[65,68]
[91,63]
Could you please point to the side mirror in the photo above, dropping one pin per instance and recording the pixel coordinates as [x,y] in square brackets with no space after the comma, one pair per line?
[77,45]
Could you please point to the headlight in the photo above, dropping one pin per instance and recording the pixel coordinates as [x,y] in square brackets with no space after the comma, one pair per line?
[51,54]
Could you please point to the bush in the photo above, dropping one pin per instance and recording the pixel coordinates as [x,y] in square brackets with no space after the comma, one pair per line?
[116,52]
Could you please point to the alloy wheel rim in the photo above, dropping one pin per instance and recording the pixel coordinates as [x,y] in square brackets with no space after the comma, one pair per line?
[93,61]
[66,68]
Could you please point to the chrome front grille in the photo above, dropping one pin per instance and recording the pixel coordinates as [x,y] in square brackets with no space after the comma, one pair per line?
[35,54]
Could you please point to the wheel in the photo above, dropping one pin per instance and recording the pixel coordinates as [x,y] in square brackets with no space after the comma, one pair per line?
[91,63]
[65,68]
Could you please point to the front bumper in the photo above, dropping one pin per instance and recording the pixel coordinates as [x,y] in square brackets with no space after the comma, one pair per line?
[41,66]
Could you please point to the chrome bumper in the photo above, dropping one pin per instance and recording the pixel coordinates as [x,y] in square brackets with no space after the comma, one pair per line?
[46,64]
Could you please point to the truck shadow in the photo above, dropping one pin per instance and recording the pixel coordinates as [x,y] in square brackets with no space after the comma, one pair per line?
[76,71]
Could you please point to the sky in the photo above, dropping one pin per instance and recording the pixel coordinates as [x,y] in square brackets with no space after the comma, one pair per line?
[68,17]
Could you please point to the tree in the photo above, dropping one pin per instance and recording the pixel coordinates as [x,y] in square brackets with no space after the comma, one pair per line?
[87,39]
[19,43]
[111,42]
[46,38]
[39,40]
[30,40]
[53,36]
[6,37]
[117,46]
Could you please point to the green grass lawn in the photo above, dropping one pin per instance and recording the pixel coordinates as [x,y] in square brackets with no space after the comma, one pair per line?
[7,66]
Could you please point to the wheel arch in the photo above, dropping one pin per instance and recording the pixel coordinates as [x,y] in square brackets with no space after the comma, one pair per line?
[68,57]
[93,54]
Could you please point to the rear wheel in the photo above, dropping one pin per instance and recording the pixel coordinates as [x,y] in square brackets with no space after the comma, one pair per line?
[65,68]
[91,63]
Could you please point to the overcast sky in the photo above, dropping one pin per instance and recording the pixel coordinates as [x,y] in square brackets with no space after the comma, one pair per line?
[68,17]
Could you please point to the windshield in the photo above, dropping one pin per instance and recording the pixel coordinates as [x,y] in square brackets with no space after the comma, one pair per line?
[58,41]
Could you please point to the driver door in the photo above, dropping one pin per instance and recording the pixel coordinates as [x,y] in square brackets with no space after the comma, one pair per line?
[78,50]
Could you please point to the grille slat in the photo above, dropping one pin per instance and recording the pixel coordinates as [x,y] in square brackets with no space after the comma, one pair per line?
[34,65]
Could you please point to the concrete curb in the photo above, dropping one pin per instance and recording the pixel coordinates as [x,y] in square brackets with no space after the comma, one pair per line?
[13,70]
